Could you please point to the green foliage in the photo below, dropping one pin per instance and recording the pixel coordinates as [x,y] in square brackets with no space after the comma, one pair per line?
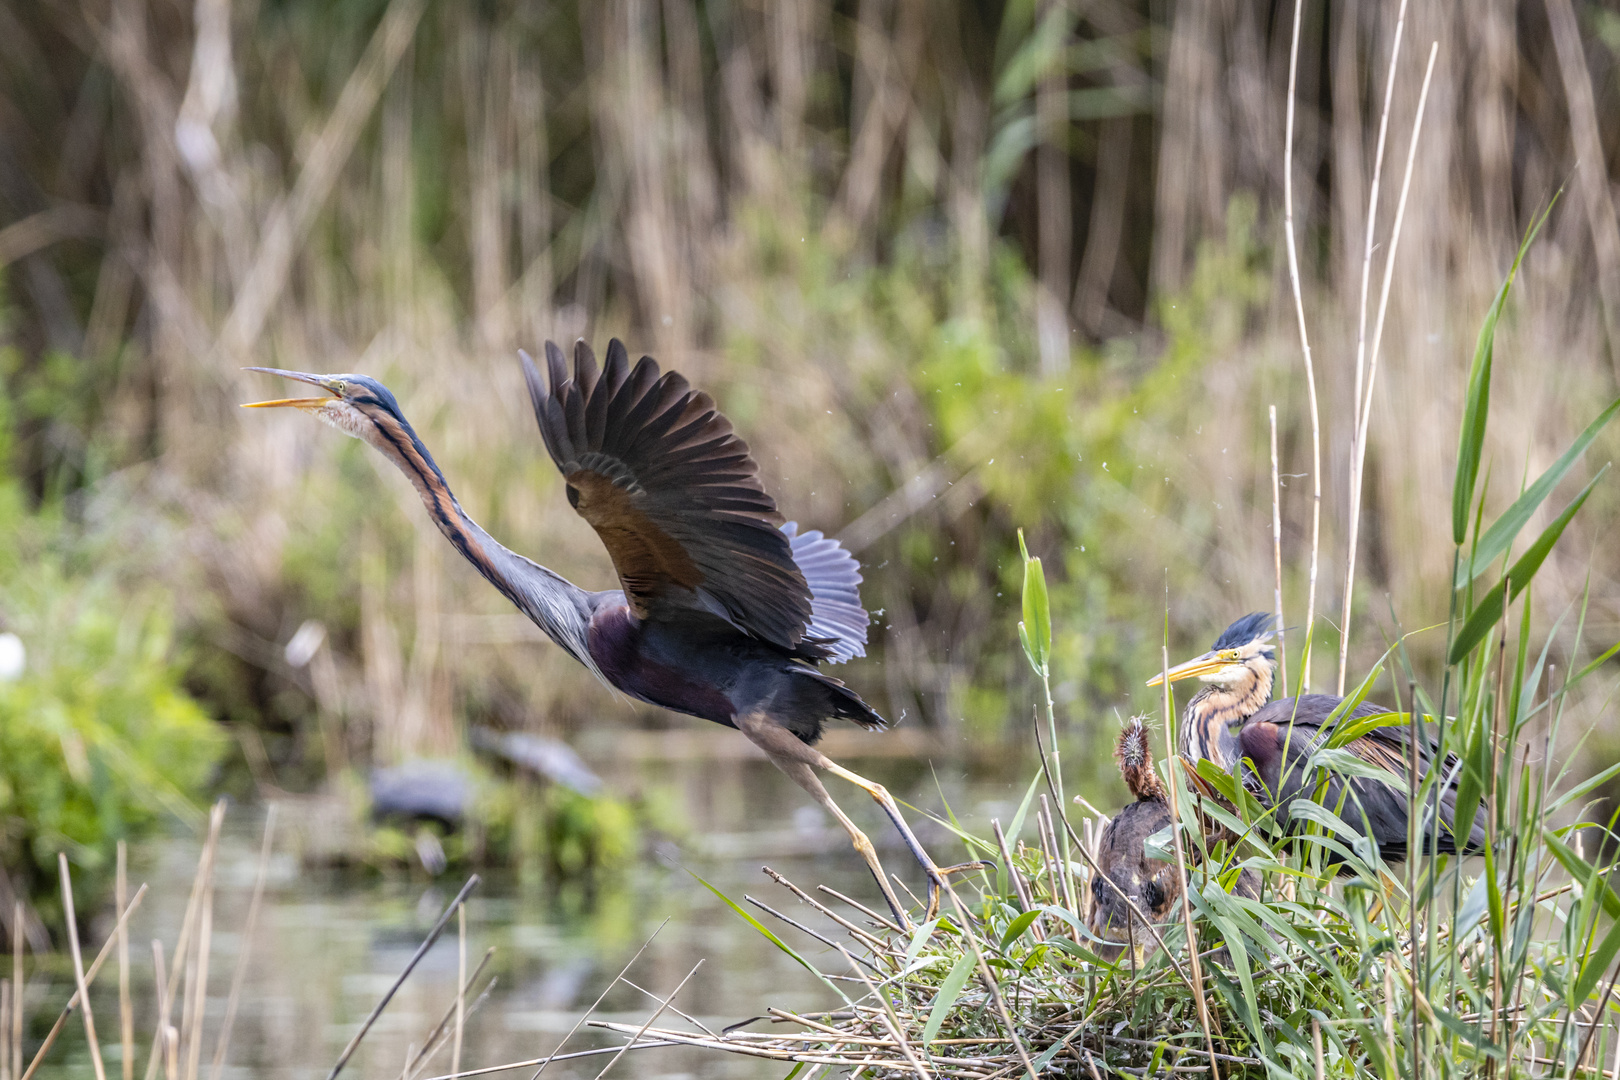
[586,833]
[1035,632]
[1343,966]
[99,740]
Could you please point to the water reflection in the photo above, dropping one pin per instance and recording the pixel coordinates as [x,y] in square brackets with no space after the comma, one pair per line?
[330,943]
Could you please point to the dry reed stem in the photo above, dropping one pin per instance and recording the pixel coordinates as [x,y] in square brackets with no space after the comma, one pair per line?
[289,221]
[182,943]
[1591,159]
[664,1004]
[240,974]
[417,1059]
[860,907]
[1181,873]
[5,1048]
[16,1024]
[442,1033]
[1276,558]
[160,984]
[461,978]
[73,1002]
[887,1014]
[1357,452]
[1305,345]
[632,984]
[1363,419]
[78,966]
[126,1007]
[989,979]
[829,942]
[543,1062]
[421,951]
[197,971]
[866,936]
[1017,879]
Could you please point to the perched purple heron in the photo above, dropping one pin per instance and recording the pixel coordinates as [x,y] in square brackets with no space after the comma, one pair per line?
[1268,745]
[724,610]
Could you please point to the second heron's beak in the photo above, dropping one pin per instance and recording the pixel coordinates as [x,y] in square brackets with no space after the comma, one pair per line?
[1207,664]
[296,403]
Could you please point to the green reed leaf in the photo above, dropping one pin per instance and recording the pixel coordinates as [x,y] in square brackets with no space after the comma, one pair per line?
[1471,441]
[1490,607]
[772,938]
[1502,532]
[949,991]
[1035,632]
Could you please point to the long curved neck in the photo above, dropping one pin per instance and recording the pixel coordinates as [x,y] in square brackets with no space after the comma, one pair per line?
[556,605]
[1206,729]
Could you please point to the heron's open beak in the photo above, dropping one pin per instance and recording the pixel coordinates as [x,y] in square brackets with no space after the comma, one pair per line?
[296,403]
[1207,664]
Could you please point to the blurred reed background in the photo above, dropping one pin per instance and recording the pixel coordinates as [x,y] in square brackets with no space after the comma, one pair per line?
[952,268]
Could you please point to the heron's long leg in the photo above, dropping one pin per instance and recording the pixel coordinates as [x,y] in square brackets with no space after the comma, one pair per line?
[805,777]
[800,761]
[880,794]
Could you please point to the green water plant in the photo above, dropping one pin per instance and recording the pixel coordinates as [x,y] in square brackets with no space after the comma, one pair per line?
[1341,964]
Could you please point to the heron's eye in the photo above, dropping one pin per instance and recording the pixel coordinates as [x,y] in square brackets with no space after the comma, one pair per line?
[1230,654]
[573,496]
[339,387]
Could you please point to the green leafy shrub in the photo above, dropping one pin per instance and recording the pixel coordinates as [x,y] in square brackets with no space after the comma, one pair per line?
[98,738]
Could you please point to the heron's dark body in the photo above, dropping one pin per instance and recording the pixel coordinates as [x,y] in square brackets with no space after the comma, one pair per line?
[1296,726]
[703,667]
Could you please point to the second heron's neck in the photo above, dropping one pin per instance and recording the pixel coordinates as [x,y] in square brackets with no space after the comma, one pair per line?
[1206,728]
[556,605]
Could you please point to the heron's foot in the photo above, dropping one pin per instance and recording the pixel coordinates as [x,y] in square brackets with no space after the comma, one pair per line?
[969,867]
[938,874]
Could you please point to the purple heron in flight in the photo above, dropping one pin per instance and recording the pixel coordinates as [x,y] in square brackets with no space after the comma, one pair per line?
[725,611]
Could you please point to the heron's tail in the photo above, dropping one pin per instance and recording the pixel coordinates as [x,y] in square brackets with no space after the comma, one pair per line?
[828,698]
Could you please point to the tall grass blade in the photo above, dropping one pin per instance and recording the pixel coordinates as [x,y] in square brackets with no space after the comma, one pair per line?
[1472,440]
[1490,607]
[1500,536]
[1581,869]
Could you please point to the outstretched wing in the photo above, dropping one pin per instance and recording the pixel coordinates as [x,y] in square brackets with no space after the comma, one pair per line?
[837,619]
[672,492]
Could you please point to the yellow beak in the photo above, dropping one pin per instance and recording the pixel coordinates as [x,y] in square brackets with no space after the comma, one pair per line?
[295,403]
[1207,664]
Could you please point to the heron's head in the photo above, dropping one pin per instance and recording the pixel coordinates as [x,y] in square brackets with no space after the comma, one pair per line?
[356,405]
[1241,657]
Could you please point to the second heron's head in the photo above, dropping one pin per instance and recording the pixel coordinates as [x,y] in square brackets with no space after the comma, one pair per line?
[1241,659]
